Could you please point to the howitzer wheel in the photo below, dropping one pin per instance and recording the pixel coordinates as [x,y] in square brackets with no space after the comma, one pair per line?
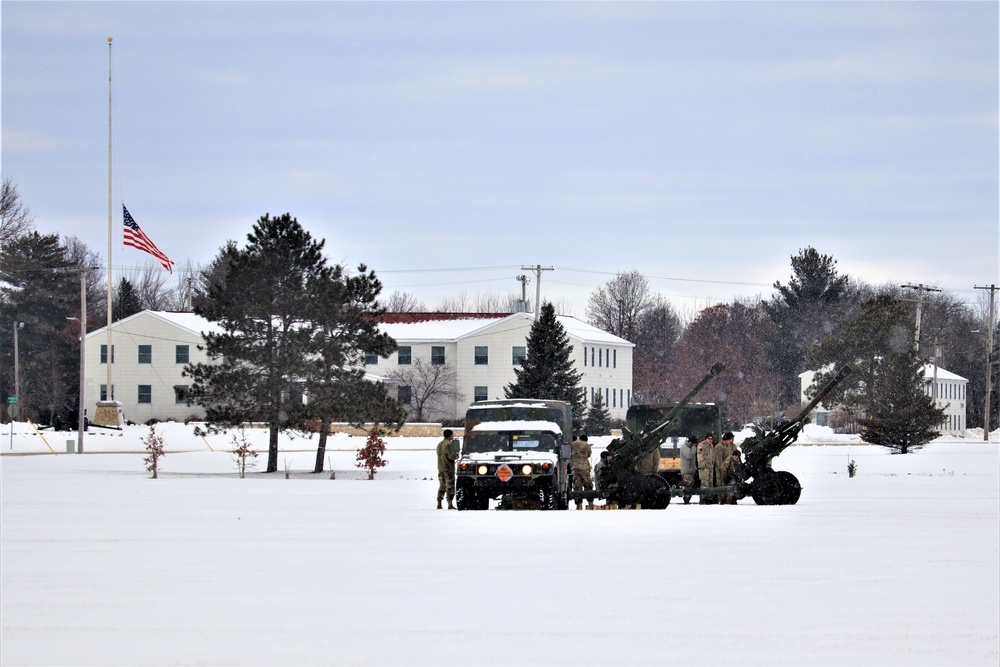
[650,491]
[766,490]
[790,487]
[548,497]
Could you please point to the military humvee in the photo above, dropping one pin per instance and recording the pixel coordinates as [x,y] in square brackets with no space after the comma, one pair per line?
[516,450]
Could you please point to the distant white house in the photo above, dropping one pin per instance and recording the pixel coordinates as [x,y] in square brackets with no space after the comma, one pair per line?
[484,350]
[148,353]
[150,350]
[947,389]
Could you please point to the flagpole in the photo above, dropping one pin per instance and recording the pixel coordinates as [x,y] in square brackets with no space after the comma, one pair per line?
[110,354]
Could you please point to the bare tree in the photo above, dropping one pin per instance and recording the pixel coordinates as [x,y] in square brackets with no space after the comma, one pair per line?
[15,218]
[617,306]
[404,302]
[454,304]
[430,385]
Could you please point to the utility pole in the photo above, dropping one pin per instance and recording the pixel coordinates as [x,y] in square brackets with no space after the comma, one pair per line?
[989,361]
[538,268]
[920,304]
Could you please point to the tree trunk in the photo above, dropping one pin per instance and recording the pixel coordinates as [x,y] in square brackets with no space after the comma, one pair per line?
[272,449]
[321,449]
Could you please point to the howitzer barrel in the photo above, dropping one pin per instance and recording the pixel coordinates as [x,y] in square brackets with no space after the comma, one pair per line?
[759,450]
[633,446]
[822,393]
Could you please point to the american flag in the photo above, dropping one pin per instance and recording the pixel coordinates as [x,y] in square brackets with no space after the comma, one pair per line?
[137,238]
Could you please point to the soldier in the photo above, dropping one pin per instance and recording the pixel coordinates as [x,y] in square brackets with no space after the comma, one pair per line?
[689,466]
[446,456]
[723,452]
[580,465]
[706,467]
[601,469]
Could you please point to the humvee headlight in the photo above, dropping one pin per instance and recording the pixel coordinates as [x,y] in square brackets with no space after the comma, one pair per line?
[483,469]
[526,469]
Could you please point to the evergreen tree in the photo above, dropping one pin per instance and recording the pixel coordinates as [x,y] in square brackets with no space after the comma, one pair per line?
[262,303]
[598,418]
[36,290]
[547,371]
[903,415]
[804,312]
[126,300]
[344,322]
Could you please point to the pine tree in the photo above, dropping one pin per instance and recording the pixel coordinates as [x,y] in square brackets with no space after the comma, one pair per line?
[262,301]
[804,312]
[547,371]
[598,418]
[126,300]
[903,416]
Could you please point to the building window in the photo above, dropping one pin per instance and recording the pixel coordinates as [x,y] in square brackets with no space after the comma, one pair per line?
[145,354]
[600,358]
[480,394]
[403,395]
[482,354]
[437,355]
[614,358]
[584,356]
[371,359]
[104,392]
[403,358]
[181,393]
[591,356]
[614,397]
[182,354]
[145,393]
[518,355]
[104,354]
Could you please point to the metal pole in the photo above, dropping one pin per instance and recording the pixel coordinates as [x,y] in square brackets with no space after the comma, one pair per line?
[109,220]
[17,369]
[989,369]
[83,360]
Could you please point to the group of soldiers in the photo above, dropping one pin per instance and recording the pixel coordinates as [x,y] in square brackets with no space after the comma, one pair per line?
[709,463]
[703,464]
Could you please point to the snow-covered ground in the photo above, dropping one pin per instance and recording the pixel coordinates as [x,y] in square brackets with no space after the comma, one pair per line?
[102,565]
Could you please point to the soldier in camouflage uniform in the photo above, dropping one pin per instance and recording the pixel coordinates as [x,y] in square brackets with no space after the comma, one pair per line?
[706,467]
[446,456]
[723,452]
[580,465]
[689,466]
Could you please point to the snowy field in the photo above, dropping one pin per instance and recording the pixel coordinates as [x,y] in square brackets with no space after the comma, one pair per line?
[102,565]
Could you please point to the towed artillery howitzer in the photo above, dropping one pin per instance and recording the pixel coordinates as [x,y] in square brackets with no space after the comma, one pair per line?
[767,486]
[621,483]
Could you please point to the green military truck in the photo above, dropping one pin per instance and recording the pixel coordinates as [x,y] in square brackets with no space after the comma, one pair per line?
[517,451]
[695,419]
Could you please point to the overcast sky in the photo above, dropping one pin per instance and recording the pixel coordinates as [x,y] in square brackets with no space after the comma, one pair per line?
[702,144]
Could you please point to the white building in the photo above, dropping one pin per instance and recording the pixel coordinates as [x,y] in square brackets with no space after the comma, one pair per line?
[150,350]
[148,353]
[947,389]
[484,350]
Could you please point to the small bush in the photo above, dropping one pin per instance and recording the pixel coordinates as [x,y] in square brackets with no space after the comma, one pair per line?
[154,447]
[370,456]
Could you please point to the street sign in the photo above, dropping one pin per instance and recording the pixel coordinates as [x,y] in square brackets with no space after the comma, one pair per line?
[12,399]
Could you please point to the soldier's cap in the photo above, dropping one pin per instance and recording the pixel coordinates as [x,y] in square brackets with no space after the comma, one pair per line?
[693,438]
[710,436]
[727,436]
[737,452]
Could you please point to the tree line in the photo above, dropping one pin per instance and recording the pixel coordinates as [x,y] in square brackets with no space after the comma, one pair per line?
[820,319]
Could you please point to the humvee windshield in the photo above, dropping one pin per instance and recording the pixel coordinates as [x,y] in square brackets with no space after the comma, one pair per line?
[510,441]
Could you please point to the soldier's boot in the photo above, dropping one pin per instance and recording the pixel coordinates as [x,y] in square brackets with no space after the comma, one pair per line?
[450,505]
[579,504]
[687,500]
[439,503]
